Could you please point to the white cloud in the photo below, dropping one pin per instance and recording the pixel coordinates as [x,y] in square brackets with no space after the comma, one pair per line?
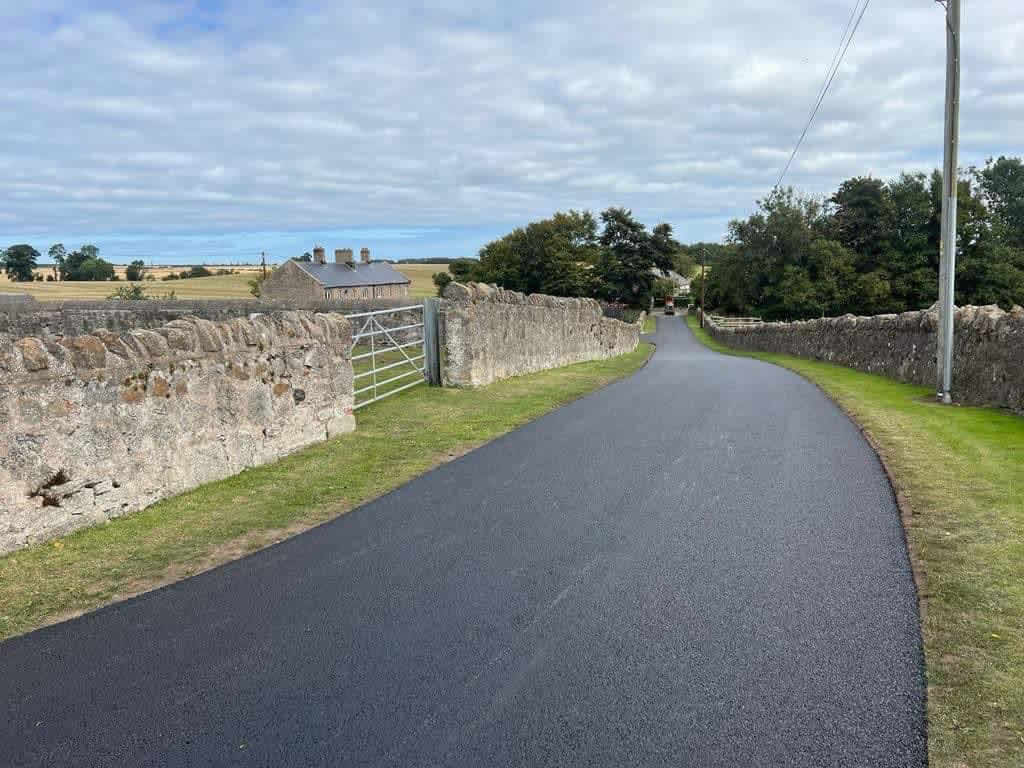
[160,117]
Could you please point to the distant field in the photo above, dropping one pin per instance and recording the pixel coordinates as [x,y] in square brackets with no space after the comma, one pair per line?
[422,277]
[217,287]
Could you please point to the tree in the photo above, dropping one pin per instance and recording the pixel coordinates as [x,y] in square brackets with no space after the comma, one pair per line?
[135,270]
[548,256]
[626,258]
[662,288]
[57,256]
[19,262]
[307,256]
[862,219]
[441,281]
[85,264]
[464,270]
[94,269]
[1002,187]
[665,247]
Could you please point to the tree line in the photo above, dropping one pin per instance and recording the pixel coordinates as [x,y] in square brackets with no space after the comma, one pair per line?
[872,247]
[572,254]
[19,262]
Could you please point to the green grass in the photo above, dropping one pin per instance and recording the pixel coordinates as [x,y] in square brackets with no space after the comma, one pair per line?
[650,324]
[962,472]
[395,440]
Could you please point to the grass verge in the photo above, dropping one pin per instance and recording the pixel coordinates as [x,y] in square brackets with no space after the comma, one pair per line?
[961,470]
[650,324]
[396,440]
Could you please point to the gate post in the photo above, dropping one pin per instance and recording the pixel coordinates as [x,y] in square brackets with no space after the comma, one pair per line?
[431,341]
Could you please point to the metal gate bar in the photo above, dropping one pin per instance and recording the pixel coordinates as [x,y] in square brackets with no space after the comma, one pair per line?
[379,346]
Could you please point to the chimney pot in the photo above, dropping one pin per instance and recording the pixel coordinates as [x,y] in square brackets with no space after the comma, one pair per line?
[364,255]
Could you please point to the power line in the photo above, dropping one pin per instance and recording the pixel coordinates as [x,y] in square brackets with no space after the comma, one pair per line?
[830,75]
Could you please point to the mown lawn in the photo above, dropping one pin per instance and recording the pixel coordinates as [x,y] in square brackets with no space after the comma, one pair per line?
[962,472]
[396,439]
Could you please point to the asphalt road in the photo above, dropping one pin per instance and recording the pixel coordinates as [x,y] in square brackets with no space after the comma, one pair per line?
[701,565]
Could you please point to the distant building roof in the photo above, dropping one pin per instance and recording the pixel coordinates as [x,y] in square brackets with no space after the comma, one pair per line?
[671,274]
[346,276]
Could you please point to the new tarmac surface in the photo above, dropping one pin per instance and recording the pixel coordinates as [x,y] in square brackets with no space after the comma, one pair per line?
[701,565]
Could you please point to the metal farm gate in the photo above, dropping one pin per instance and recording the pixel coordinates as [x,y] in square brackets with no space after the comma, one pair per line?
[394,350]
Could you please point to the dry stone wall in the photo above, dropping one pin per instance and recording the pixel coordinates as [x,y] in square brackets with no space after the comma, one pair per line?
[489,333]
[78,317]
[95,426]
[988,361]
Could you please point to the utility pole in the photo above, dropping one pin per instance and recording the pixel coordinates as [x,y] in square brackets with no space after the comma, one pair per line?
[703,286]
[263,263]
[947,252]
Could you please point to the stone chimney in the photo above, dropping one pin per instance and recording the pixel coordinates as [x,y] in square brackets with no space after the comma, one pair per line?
[364,255]
[343,256]
[319,256]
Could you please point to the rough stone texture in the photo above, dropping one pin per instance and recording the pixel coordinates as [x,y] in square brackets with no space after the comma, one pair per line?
[74,318]
[988,357]
[292,283]
[489,333]
[94,426]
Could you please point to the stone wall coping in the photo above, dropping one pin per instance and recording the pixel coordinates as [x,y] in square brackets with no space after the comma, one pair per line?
[987,319]
[105,354]
[483,293]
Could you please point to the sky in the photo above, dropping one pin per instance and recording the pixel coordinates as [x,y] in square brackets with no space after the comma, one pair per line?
[212,130]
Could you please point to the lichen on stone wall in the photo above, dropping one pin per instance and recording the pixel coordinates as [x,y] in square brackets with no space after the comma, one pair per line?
[98,425]
[490,333]
[988,348]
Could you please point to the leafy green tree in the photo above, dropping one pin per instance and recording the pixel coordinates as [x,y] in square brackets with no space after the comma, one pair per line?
[627,256]
[94,269]
[19,262]
[662,288]
[665,246]
[548,256]
[57,255]
[135,270]
[1002,187]
[862,219]
[441,281]
[85,264]
[465,270]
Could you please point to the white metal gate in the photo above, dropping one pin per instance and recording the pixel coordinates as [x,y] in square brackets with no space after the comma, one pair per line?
[388,352]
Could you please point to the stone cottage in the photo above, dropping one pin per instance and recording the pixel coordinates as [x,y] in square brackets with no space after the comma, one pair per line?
[312,281]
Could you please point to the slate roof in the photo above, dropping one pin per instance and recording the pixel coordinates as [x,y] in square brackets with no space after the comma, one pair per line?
[343,276]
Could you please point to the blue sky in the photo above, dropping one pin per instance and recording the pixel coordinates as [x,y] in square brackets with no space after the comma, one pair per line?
[225,128]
